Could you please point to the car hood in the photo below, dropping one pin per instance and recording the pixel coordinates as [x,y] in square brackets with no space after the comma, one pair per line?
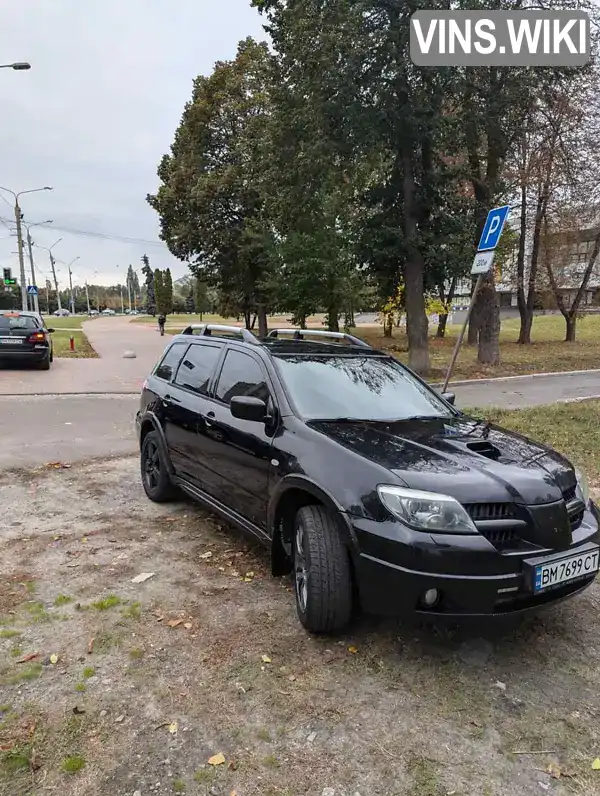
[471,460]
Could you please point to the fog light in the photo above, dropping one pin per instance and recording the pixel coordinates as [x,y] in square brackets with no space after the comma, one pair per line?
[430,598]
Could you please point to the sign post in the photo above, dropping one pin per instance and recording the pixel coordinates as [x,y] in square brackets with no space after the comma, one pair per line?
[482,265]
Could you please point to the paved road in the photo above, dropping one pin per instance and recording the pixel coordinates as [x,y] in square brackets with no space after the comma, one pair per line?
[35,430]
[110,337]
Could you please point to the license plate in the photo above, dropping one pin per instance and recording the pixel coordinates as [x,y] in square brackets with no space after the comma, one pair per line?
[11,341]
[566,569]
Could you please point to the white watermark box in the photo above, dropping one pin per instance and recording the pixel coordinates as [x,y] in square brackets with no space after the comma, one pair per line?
[500,38]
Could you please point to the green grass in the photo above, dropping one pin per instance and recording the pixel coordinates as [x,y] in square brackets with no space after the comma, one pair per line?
[72,322]
[572,429]
[37,611]
[61,344]
[24,673]
[136,654]
[88,672]
[73,764]
[133,611]
[8,633]
[14,761]
[107,603]
[178,786]
[62,599]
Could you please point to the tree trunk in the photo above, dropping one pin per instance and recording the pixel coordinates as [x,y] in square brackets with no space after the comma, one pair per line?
[333,317]
[441,330]
[416,317]
[489,333]
[388,325]
[263,328]
[247,319]
[571,332]
[525,330]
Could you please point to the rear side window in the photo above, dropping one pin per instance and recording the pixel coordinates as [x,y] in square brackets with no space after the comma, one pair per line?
[241,375]
[170,362]
[197,367]
[8,322]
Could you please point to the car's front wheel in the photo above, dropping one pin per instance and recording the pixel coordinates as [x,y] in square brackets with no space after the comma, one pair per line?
[155,475]
[322,573]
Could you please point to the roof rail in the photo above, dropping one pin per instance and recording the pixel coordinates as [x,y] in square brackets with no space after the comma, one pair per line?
[207,329]
[299,335]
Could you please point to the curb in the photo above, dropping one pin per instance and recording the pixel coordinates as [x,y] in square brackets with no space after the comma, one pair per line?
[69,394]
[496,379]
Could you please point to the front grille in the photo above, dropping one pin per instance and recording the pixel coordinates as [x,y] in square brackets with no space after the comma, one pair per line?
[503,538]
[479,512]
[570,494]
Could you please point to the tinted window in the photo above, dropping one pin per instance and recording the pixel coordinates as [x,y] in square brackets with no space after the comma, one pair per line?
[170,361]
[18,322]
[357,387]
[197,367]
[241,375]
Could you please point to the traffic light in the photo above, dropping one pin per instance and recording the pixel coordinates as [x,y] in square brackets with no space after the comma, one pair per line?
[8,278]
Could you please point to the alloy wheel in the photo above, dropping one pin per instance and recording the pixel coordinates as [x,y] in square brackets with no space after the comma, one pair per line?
[152,466]
[300,568]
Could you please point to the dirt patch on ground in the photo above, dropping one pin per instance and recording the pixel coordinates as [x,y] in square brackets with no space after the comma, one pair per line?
[115,688]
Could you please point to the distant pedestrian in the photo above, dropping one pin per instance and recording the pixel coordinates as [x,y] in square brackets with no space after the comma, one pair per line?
[161,323]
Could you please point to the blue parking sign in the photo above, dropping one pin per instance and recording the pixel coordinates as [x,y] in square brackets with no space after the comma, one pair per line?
[493,228]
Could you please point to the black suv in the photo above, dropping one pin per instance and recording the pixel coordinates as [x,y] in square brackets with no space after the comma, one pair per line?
[363,481]
[25,338]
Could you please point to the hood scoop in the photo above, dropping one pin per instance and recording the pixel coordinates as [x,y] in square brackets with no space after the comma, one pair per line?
[484,448]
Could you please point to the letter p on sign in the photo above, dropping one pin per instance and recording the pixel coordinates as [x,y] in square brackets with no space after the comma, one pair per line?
[493,228]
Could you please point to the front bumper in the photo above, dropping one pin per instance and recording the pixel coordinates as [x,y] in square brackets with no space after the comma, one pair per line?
[395,566]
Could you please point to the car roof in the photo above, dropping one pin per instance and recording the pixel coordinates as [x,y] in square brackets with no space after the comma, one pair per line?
[20,312]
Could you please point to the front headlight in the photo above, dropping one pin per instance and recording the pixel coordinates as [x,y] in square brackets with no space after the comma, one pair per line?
[426,511]
[583,487]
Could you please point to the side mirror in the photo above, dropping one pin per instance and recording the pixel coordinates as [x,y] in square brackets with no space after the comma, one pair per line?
[449,397]
[248,408]
[49,331]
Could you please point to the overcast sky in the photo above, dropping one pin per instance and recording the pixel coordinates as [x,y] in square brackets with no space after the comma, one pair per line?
[94,115]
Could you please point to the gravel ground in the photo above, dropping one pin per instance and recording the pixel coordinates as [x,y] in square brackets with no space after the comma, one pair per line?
[115,688]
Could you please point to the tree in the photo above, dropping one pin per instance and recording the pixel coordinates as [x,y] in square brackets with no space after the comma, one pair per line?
[160,292]
[149,285]
[168,290]
[201,296]
[190,302]
[210,209]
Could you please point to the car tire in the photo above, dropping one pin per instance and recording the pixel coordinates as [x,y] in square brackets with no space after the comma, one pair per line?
[155,474]
[44,364]
[322,572]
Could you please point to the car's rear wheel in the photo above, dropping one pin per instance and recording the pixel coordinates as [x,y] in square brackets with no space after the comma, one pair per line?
[322,573]
[44,364]
[155,475]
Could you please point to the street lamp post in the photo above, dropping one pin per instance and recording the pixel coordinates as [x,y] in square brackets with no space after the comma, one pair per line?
[36,302]
[20,236]
[18,66]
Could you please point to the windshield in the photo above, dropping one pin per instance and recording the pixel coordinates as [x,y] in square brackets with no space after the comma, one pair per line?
[356,387]
[18,322]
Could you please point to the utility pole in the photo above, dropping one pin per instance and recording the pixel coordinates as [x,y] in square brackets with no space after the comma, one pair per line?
[20,237]
[71,285]
[87,298]
[52,263]
[36,303]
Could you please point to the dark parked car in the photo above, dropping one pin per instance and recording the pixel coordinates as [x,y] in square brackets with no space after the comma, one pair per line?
[363,481]
[25,338]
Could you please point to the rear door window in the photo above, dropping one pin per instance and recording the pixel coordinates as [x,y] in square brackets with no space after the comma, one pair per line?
[197,367]
[170,362]
[241,375]
[21,322]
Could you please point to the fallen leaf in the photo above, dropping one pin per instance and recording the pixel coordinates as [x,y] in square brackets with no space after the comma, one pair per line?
[554,771]
[247,580]
[353,650]
[266,659]
[77,711]
[249,574]
[216,760]
[206,555]
[596,764]
[142,577]
[232,766]
[173,728]
[175,622]
[32,656]
[54,659]
[188,625]
[91,646]
[291,678]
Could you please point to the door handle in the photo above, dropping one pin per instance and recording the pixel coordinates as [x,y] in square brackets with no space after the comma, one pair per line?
[168,399]
[209,416]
